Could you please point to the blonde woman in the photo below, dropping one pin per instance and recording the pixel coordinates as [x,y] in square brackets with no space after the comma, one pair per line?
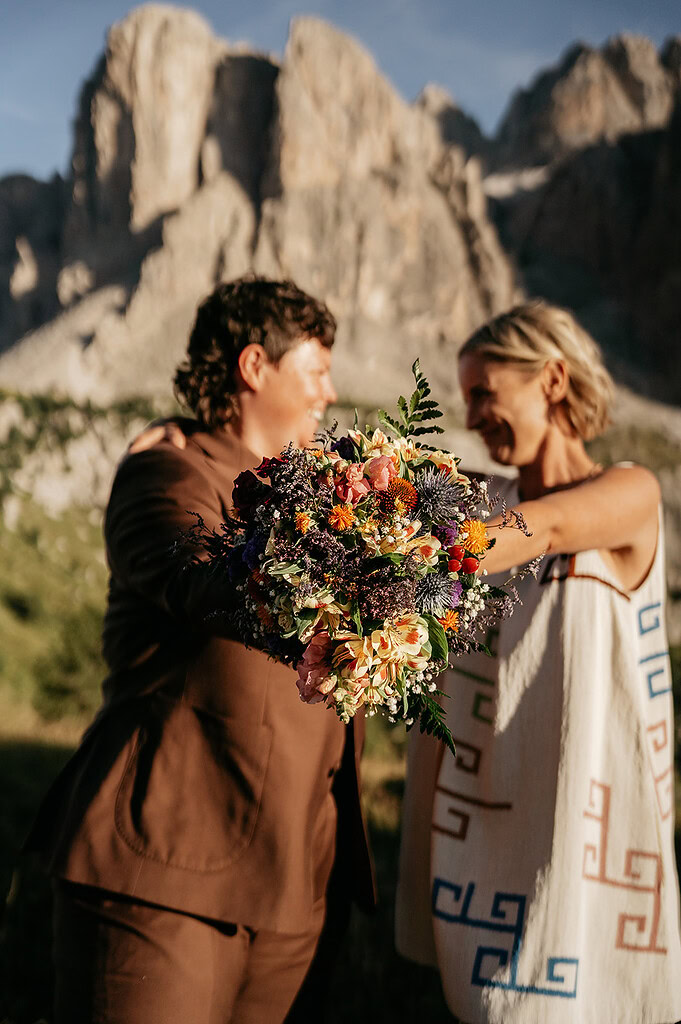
[537,866]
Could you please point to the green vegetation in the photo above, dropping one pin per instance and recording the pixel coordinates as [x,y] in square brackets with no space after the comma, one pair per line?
[47,423]
[51,601]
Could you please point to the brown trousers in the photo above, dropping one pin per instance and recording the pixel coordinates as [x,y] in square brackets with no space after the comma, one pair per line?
[118,961]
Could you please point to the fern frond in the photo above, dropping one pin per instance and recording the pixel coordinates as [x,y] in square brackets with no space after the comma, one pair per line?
[432,720]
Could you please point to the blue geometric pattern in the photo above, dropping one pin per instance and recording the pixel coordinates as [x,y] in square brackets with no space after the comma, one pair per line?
[655,690]
[560,971]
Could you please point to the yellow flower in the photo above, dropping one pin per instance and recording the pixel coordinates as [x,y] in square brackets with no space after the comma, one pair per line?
[474,536]
[303,522]
[341,517]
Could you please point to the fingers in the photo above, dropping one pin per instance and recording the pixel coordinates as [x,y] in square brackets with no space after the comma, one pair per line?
[154,434]
[147,439]
[175,436]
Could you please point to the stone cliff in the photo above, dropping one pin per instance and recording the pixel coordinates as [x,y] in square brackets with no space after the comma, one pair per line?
[195,161]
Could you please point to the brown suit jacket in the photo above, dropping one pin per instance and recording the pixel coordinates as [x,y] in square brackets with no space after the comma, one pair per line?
[204,784]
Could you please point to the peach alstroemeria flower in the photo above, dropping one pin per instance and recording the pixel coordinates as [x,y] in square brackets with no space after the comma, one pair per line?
[409,449]
[426,547]
[354,655]
[380,444]
[445,461]
[401,639]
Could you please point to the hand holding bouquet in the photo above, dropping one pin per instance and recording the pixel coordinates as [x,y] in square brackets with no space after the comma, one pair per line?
[357,562]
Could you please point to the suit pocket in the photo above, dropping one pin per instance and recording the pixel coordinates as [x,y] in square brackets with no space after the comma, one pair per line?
[191,788]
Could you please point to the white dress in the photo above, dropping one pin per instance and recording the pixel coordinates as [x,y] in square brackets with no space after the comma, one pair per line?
[537,867]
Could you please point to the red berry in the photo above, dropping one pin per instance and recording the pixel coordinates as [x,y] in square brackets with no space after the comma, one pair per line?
[457,551]
[470,564]
[454,564]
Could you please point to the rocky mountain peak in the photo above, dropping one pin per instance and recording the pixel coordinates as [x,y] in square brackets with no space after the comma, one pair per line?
[456,127]
[590,95]
[195,161]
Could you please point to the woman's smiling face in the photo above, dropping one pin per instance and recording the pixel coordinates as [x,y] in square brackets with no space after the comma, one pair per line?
[507,406]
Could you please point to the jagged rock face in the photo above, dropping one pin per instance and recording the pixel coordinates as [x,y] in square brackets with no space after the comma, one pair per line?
[143,118]
[138,137]
[317,171]
[456,127]
[592,95]
[603,235]
[367,208]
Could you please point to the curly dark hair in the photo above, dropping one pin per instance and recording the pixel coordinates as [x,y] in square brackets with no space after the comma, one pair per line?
[250,310]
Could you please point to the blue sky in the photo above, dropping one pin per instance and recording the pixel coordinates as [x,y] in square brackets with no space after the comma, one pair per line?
[480,51]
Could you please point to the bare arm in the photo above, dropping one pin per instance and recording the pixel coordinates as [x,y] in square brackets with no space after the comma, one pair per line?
[616,512]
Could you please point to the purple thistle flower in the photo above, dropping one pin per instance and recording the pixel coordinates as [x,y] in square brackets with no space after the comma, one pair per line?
[439,498]
[434,593]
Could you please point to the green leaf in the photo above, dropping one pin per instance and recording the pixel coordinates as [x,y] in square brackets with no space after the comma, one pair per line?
[438,638]
[391,558]
[356,618]
[304,618]
[432,721]
[389,424]
[427,430]
[416,401]
[283,568]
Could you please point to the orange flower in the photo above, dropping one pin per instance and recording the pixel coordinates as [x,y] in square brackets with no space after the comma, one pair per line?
[342,517]
[265,616]
[399,496]
[303,522]
[474,536]
[450,620]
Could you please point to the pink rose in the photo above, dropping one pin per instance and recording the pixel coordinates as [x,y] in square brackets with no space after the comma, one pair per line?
[313,670]
[380,472]
[352,487]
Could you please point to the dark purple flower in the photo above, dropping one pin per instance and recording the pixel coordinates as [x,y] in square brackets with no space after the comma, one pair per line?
[345,448]
[253,550]
[248,493]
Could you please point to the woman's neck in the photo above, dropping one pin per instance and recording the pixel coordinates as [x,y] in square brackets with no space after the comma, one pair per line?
[561,462]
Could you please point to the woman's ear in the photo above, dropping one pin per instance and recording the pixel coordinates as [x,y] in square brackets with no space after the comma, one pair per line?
[252,366]
[555,381]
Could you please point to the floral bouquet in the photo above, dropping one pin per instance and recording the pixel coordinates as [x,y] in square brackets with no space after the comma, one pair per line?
[358,562]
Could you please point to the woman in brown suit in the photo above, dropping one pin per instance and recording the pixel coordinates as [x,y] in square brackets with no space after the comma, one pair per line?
[193,833]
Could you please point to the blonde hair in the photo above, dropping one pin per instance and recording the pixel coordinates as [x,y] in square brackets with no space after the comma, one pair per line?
[532,334]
